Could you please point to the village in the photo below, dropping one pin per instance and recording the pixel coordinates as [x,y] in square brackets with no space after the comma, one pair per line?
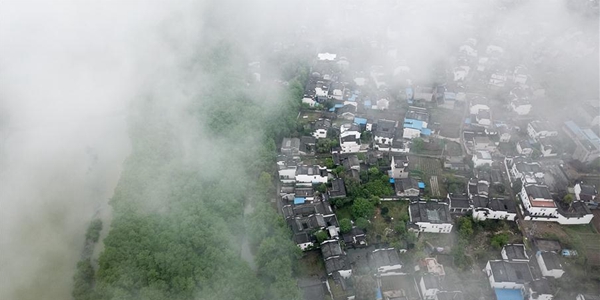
[449,189]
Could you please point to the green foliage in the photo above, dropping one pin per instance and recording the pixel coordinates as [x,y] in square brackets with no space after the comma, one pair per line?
[362,223]
[176,227]
[329,163]
[568,199]
[93,231]
[418,145]
[385,211]
[83,281]
[325,145]
[363,208]
[321,236]
[322,188]
[345,225]
[465,227]
[499,240]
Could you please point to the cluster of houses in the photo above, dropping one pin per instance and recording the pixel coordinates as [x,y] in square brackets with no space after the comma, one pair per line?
[526,274]
[538,203]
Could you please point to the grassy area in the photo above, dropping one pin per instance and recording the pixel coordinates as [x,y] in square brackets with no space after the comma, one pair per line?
[398,210]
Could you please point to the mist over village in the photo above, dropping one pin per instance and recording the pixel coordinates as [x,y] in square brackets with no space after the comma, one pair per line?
[309,150]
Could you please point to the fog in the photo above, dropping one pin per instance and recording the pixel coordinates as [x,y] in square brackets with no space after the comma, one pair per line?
[74,74]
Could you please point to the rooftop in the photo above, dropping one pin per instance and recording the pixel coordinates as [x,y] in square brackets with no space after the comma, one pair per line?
[536,191]
[495,204]
[331,248]
[517,272]
[515,251]
[551,260]
[384,257]
[430,211]
[508,294]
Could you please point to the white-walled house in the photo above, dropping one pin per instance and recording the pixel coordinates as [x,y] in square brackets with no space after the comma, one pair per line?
[528,171]
[287,174]
[430,216]
[508,275]
[521,107]
[310,101]
[429,286]
[493,209]
[549,263]
[350,138]
[482,158]
[540,130]
[399,166]
[514,252]
[311,174]
[539,290]
[537,201]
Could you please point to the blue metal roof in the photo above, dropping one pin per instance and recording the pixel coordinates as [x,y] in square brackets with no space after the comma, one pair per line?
[360,121]
[414,124]
[468,120]
[332,109]
[421,185]
[299,200]
[368,103]
[426,131]
[352,98]
[508,294]
[392,180]
[379,294]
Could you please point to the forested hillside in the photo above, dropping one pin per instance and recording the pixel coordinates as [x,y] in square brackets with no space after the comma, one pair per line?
[179,206]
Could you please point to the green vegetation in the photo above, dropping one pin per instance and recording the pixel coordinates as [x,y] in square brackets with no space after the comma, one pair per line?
[93,231]
[176,232]
[499,240]
[465,233]
[345,225]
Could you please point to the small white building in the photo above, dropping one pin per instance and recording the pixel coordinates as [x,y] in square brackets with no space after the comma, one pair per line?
[521,107]
[549,263]
[311,174]
[514,252]
[508,275]
[482,158]
[430,216]
[310,101]
[493,209]
[540,130]
[429,286]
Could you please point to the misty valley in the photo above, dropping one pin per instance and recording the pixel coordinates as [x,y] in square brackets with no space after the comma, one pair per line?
[367,150]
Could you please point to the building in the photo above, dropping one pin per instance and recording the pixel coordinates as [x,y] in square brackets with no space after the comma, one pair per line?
[385,260]
[586,192]
[514,252]
[415,123]
[587,143]
[399,166]
[350,138]
[429,285]
[430,216]
[540,130]
[527,171]
[549,263]
[290,146]
[482,158]
[306,218]
[321,128]
[539,290]
[494,209]
[338,189]
[459,204]
[508,275]
[406,187]
[311,174]
[384,132]
[537,201]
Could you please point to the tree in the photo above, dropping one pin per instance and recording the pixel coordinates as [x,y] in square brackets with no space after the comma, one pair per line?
[345,225]
[385,210]
[499,240]
[321,236]
[418,145]
[322,188]
[362,223]
[329,163]
[93,231]
[465,227]
[568,199]
[362,208]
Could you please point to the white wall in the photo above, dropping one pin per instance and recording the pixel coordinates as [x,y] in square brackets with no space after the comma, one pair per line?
[428,294]
[411,133]
[311,178]
[495,215]
[434,228]
[320,133]
[545,272]
[287,175]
